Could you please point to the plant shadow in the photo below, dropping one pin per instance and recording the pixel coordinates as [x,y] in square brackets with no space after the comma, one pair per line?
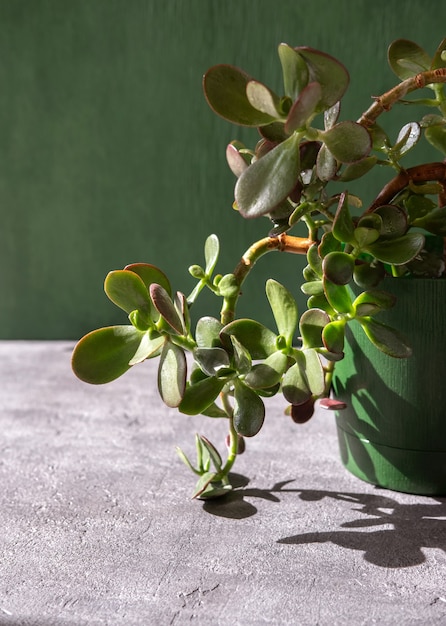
[408,528]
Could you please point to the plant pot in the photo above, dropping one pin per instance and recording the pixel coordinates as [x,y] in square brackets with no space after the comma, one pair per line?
[393,431]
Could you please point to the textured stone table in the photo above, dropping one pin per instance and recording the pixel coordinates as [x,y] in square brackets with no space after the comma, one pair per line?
[98,528]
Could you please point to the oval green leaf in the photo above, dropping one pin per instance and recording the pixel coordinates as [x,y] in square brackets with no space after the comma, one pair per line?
[254,336]
[268,181]
[407,58]
[329,72]
[387,339]
[166,308]
[127,290]
[172,373]
[311,324]
[225,91]
[199,396]
[284,309]
[249,410]
[348,141]
[105,354]
[397,251]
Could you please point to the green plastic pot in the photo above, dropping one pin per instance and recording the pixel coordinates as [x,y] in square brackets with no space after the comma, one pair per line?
[393,431]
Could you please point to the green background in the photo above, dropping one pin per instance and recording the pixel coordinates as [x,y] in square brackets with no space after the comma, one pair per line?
[109,153]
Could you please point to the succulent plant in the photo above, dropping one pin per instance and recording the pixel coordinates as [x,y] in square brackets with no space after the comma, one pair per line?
[297,173]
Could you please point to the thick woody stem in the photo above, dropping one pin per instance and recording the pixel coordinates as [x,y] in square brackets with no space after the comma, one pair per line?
[424,173]
[282,243]
[386,101]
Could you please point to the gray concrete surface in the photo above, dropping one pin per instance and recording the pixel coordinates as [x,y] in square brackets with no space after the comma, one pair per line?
[97,525]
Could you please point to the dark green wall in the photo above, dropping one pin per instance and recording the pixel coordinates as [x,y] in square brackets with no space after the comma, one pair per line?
[110,155]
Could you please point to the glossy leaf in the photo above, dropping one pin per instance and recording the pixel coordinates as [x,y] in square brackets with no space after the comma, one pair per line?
[407,58]
[104,354]
[313,288]
[242,358]
[408,137]
[236,161]
[365,236]
[397,251]
[228,286]
[311,325]
[213,452]
[333,336]
[166,308]
[338,297]
[348,141]
[372,302]
[326,164]
[393,220]
[211,360]
[147,349]
[434,222]
[314,372]
[127,290]
[338,267]
[263,99]
[331,115]
[267,373]
[328,242]
[249,410]
[320,302]
[225,91]
[294,69]
[301,413]
[211,252]
[315,260]
[343,227]
[207,332]
[268,181]
[150,274]
[303,107]
[387,339]
[329,72]
[368,276]
[199,396]
[294,385]
[254,336]
[172,373]
[284,308]
[358,169]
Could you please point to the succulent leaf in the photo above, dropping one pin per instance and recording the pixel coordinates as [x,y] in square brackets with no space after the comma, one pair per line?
[254,336]
[249,410]
[407,58]
[172,373]
[284,308]
[294,69]
[269,180]
[105,354]
[225,91]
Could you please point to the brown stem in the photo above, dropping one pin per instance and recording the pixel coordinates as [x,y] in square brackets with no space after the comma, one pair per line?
[282,243]
[424,173]
[386,101]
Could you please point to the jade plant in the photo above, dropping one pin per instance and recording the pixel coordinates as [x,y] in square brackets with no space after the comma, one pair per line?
[297,173]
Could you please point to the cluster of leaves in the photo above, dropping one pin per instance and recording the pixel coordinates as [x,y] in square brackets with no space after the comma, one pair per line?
[287,177]
[240,362]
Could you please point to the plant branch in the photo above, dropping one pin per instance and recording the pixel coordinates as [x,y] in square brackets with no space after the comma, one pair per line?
[282,243]
[387,100]
[418,174]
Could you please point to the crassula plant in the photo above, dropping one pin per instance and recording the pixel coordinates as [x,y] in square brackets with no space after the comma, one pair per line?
[297,173]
